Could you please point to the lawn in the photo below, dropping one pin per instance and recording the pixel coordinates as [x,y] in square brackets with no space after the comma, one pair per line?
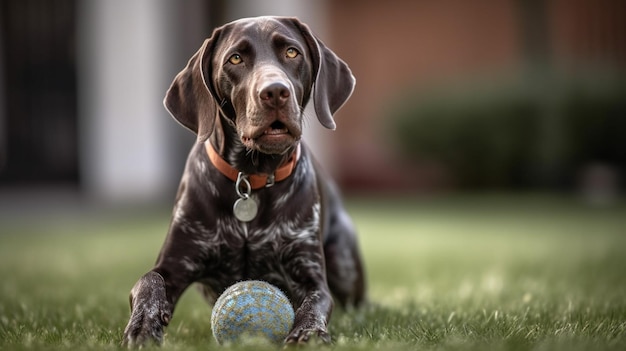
[515,272]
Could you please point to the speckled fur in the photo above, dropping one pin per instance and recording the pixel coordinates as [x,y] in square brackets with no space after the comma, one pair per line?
[301,240]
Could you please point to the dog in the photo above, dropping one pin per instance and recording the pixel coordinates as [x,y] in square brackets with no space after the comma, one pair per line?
[253,203]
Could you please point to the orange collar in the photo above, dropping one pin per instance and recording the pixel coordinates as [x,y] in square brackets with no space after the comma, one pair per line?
[257,181]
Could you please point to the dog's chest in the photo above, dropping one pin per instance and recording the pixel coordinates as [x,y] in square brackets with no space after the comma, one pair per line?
[235,250]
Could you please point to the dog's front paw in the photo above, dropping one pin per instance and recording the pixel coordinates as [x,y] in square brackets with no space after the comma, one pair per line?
[302,334]
[150,312]
[145,327]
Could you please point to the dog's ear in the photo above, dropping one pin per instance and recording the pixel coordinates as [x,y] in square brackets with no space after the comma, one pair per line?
[333,80]
[189,100]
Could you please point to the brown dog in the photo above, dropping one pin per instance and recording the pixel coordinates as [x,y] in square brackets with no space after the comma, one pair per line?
[253,203]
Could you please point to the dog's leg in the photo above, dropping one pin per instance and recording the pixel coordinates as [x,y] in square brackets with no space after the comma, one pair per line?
[344,269]
[150,311]
[309,292]
[302,264]
[154,296]
[152,302]
[312,317]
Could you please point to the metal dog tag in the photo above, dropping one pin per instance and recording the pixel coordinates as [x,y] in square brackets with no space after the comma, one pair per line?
[245,209]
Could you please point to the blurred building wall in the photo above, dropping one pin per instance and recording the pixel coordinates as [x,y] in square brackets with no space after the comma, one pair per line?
[3,114]
[121,57]
[38,87]
[129,52]
[399,46]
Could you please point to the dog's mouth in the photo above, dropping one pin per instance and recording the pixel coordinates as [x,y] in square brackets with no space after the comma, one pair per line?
[276,128]
[276,138]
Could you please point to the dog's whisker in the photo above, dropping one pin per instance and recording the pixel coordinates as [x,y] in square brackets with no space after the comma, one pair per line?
[250,154]
[305,117]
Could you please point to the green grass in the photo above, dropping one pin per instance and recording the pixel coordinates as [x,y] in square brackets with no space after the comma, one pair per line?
[490,272]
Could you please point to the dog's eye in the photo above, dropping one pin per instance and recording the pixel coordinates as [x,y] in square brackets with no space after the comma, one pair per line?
[292,53]
[235,59]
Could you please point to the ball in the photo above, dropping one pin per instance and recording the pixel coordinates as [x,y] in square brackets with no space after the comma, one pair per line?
[251,309]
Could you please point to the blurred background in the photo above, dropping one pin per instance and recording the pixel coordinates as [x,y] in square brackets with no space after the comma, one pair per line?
[452,96]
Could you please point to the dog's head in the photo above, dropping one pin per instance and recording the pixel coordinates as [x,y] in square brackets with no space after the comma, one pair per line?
[260,73]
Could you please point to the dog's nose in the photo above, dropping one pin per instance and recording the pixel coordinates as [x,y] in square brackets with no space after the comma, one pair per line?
[275,94]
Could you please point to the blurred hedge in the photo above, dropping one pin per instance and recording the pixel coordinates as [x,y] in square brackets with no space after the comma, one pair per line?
[535,131]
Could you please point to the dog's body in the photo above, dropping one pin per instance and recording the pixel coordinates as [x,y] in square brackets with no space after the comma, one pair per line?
[243,93]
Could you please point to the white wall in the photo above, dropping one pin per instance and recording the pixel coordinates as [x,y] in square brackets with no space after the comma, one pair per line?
[129,51]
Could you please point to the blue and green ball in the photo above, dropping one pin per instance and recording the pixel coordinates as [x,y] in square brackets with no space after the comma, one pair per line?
[251,309]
